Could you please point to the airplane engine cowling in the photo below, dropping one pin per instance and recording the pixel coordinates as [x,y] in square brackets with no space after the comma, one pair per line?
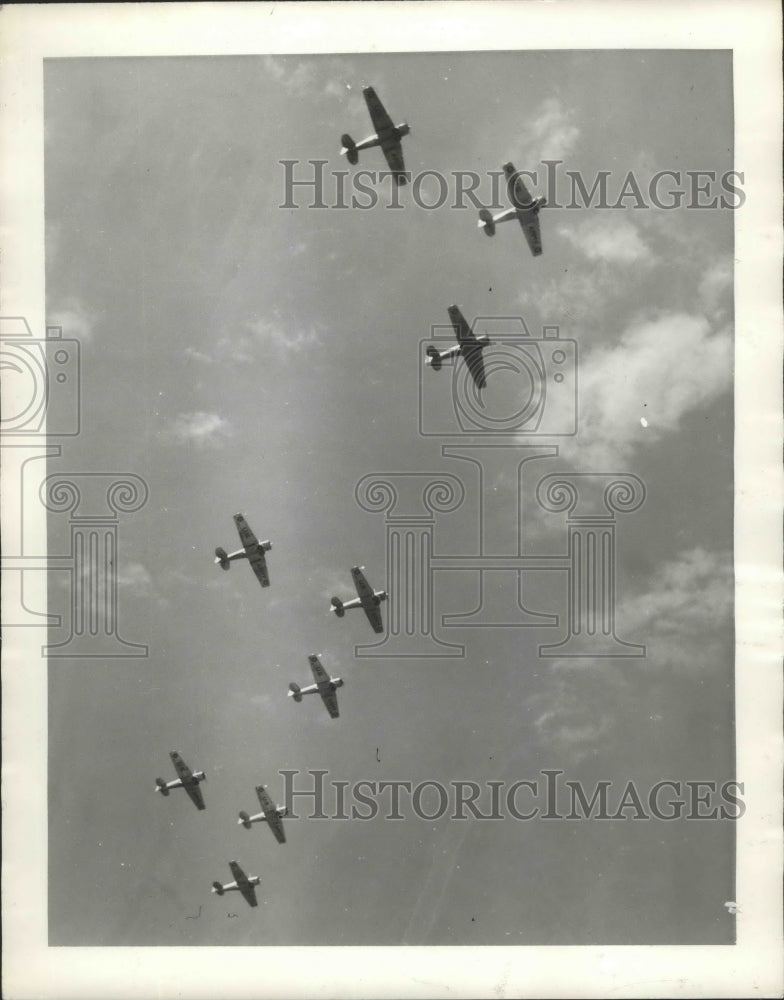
[218,888]
[266,545]
[435,358]
[200,775]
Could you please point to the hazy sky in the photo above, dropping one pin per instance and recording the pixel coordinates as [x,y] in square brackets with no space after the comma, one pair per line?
[243,357]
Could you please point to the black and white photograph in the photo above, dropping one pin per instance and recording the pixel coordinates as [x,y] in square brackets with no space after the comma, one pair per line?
[391,442]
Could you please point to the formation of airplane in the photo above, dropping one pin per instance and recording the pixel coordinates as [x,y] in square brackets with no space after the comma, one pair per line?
[387,135]
[189,780]
[270,814]
[468,347]
[242,883]
[367,599]
[325,686]
[525,209]
[252,549]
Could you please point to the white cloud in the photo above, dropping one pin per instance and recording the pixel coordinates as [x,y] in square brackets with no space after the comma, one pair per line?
[294,340]
[662,370]
[74,319]
[134,577]
[201,428]
[683,618]
[552,135]
[716,287]
[614,239]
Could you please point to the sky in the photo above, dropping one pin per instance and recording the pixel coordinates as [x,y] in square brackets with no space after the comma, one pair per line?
[240,356]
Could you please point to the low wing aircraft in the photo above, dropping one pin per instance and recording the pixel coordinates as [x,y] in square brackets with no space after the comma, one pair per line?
[469,346]
[242,883]
[253,550]
[189,780]
[526,209]
[387,136]
[367,599]
[325,685]
[270,814]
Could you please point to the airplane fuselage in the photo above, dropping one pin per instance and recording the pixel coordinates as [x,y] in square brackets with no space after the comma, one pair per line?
[387,138]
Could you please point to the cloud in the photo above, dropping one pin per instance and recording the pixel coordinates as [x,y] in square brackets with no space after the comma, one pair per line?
[74,319]
[552,135]
[661,370]
[715,288]
[684,618]
[201,428]
[284,341]
[611,238]
[134,578]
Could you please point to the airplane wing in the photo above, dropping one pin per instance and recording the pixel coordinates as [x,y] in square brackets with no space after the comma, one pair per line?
[519,194]
[320,675]
[394,155]
[378,114]
[195,794]
[374,617]
[363,587]
[533,235]
[274,822]
[247,537]
[259,566]
[471,350]
[330,699]
[182,769]
[247,890]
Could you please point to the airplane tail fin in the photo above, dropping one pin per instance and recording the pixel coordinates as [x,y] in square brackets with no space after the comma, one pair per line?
[349,149]
[221,558]
[337,607]
[160,786]
[434,358]
[295,692]
[244,820]
[486,222]
[218,888]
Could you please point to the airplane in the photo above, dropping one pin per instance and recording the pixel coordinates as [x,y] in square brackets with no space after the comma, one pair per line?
[325,686]
[242,883]
[468,345]
[387,136]
[367,599]
[189,780]
[526,209]
[253,550]
[271,814]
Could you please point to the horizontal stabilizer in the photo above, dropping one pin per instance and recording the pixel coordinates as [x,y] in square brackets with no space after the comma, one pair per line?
[244,820]
[337,607]
[486,222]
[222,559]
[434,356]
[217,887]
[349,149]
[161,786]
[295,692]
